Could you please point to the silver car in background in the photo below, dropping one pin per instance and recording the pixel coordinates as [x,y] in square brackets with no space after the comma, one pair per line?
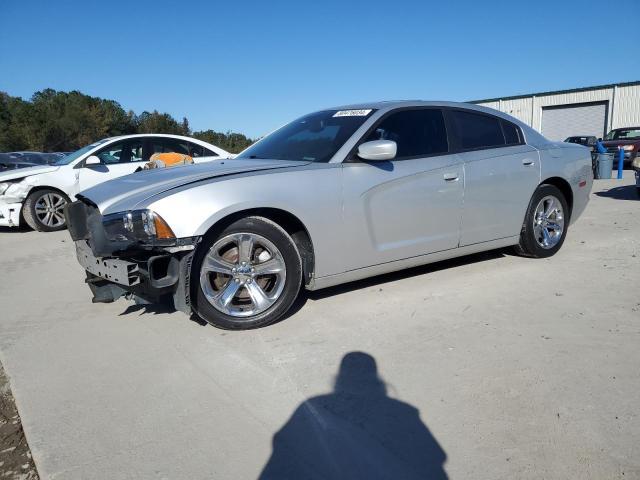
[335,196]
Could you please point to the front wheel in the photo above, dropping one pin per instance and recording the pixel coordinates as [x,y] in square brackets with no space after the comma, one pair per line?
[545,224]
[43,210]
[248,276]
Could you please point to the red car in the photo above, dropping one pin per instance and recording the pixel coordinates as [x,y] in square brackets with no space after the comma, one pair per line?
[627,138]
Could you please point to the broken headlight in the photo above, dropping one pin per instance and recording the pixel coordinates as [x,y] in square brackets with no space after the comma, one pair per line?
[4,186]
[136,225]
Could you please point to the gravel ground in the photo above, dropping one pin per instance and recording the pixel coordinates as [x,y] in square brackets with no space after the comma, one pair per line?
[491,366]
[15,458]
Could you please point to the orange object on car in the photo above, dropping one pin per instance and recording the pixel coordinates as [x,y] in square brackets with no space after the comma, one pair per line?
[170,159]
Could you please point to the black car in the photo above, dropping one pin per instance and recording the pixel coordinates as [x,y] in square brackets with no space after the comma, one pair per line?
[586,140]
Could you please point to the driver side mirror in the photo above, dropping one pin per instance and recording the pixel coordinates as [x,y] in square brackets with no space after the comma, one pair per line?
[378,150]
[92,160]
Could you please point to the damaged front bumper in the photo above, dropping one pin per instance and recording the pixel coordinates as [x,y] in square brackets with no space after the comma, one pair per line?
[154,278]
[12,197]
[151,273]
[9,213]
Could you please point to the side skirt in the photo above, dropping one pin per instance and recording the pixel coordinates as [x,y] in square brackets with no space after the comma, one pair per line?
[359,274]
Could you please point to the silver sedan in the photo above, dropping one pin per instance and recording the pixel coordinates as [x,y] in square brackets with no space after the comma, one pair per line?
[335,196]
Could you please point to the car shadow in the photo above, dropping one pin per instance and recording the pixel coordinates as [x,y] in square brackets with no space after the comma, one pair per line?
[624,192]
[355,432]
[151,308]
[21,229]
[319,295]
[407,273]
[379,280]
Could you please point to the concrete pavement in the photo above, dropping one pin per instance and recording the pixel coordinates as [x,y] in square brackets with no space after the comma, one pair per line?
[495,366]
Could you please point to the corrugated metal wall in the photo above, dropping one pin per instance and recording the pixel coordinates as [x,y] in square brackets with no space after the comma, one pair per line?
[623,105]
[626,111]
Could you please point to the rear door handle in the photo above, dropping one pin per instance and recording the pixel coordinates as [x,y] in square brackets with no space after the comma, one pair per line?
[528,163]
[450,177]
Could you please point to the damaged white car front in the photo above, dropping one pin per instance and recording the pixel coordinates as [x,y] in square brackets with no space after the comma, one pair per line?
[13,193]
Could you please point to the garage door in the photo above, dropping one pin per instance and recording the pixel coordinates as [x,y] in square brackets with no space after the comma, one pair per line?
[565,121]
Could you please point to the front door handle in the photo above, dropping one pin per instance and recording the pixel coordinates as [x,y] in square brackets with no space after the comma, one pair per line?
[528,163]
[450,177]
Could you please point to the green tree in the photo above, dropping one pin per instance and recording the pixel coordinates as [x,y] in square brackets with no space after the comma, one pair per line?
[65,121]
[156,122]
[232,142]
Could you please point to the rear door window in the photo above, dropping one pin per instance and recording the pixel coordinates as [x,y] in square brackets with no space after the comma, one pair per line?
[208,153]
[417,133]
[476,130]
[512,134]
[174,145]
[195,150]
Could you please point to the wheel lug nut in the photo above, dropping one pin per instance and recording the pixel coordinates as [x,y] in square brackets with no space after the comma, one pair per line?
[237,280]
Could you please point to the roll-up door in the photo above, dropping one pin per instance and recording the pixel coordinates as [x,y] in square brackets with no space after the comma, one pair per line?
[564,121]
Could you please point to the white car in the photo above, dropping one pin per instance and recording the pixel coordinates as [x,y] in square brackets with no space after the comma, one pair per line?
[38,194]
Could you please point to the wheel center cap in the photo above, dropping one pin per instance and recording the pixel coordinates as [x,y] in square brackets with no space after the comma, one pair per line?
[243,269]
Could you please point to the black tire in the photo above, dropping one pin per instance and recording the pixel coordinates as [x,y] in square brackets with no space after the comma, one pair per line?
[293,279]
[529,246]
[30,214]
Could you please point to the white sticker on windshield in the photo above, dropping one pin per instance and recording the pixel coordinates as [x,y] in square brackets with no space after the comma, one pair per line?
[353,113]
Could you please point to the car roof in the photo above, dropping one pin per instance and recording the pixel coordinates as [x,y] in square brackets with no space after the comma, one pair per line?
[532,136]
[392,104]
[165,135]
[139,135]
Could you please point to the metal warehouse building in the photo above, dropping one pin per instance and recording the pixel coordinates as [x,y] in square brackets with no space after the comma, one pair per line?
[581,111]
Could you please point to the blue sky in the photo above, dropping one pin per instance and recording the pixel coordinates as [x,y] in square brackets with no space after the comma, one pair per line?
[251,66]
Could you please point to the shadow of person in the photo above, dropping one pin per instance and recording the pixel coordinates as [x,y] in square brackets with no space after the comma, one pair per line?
[356,432]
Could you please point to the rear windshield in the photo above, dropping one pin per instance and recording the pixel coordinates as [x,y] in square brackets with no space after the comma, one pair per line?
[312,138]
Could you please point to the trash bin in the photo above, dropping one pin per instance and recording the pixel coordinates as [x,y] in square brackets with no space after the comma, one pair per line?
[604,165]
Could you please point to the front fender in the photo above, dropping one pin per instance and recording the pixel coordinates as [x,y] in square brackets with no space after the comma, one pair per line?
[313,196]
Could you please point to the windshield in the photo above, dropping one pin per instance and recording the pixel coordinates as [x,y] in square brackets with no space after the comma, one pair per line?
[78,153]
[624,134]
[312,138]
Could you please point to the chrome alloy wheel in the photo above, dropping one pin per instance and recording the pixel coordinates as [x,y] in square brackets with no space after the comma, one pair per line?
[50,209]
[548,222]
[243,274]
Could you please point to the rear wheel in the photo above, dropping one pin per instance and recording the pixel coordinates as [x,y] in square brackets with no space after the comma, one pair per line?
[248,276]
[545,225]
[43,210]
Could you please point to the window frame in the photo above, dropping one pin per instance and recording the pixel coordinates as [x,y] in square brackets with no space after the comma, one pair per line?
[352,156]
[452,136]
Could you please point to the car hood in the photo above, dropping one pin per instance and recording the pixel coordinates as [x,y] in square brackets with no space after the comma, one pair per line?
[125,192]
[26,172]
